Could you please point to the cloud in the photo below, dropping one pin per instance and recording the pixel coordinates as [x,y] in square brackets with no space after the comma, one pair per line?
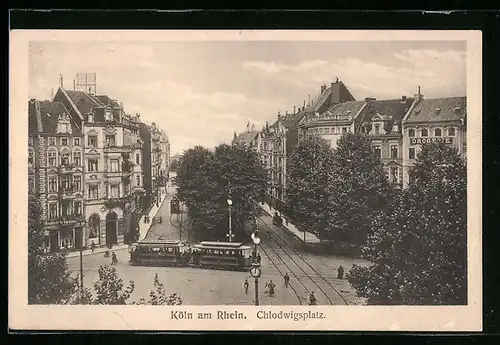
[439,73]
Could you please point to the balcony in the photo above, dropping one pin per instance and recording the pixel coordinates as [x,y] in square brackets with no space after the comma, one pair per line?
[66,168]
[112,148]
[73,219]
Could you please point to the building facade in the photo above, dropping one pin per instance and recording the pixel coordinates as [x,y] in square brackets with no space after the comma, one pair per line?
[55,172]
[439,119]
[113,183]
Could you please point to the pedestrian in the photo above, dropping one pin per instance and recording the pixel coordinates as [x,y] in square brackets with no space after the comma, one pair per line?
[271,288]
[245,285]
[340,272]
[92,246]
[114,260]
[312,299]
[286,278]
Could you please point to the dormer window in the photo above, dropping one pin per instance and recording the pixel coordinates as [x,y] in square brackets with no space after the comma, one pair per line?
[91,118]
[107,116]
[377,129]
[64,128]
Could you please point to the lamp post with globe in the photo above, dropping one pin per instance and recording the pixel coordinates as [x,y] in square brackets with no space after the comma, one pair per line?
[255,270]
[230,235]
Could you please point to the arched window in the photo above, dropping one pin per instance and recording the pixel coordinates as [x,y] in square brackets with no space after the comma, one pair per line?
[77,157]
[52,158]
[411,133]
[437,132]
[451,132]
[425,133]
[65,157]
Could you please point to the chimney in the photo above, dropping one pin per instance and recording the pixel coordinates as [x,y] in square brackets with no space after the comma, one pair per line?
[369,99]
[294,109]
[286,113]
[304,105]
[418,97]
[234,135]
[61,81]
[403,99]
[279,115]
[74,84]
[323,89]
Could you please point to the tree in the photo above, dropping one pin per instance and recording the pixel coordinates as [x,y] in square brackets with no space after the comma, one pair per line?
[419,244]
[205,180]
[109,288]
[159,296]
[311,163]
[357,187]
[49,280]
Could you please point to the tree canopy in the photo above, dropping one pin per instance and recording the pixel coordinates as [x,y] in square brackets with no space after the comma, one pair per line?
[206,179]
[357,187]
[49,278]
[310,164]
[419,244]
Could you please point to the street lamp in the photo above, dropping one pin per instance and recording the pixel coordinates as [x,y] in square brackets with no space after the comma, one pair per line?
[256,271]
[230,234]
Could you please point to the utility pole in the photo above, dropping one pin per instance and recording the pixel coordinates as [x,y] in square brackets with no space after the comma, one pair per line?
[81,265]
[256,271]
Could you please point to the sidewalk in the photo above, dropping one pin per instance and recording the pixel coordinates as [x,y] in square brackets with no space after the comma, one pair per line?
[309,238]
[96,251]
[143,226]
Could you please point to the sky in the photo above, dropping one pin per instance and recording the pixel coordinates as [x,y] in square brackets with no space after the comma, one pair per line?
[200,93]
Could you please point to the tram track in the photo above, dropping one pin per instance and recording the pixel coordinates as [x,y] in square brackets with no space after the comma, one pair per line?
[301,259]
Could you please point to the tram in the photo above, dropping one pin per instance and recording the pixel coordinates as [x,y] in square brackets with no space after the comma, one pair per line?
[206,254]
[222,255]
[158,253]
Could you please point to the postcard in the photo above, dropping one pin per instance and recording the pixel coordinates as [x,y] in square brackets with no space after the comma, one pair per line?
[245,180]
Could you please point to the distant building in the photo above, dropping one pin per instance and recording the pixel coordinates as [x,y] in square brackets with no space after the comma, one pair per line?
[438,119]
[278,140]
[112,168]
[55,172]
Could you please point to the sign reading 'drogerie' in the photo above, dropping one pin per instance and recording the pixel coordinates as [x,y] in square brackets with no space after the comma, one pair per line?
[420,141]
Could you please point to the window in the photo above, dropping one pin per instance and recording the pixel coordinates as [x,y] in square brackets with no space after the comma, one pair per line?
[378,151]
[65,158]
[64,141]
[30,141]
[411,133]
[92,165]
[425,133]
[76,141]
[394,175]
[110,140]
[93,140]
[52,141]
[31,184]
[52,211]
[344,129]
[114,165]
[52,184]
[137,158]
[77,182]
[77,157]
[64,127]
[377,129]
[65,182]
[107,116]
[30,157]
[67,237]
[394,151]
[52,158]
[138,180]
[93,192]
[451,132]
[437,132]
[115,190]
[411,153]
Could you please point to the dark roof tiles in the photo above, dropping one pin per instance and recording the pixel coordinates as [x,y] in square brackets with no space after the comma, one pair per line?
[438,109]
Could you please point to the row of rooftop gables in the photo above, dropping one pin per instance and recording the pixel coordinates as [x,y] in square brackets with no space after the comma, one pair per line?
[336,103]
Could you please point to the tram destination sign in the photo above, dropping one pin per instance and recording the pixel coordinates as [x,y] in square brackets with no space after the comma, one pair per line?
[420,141]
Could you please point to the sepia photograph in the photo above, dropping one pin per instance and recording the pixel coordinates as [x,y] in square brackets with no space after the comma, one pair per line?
[276,182]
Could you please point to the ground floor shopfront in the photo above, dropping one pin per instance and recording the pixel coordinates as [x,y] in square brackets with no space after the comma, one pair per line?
[64,237]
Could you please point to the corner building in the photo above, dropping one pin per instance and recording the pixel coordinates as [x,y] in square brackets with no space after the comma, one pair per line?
[438,119]
[113,186]
[55,172]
